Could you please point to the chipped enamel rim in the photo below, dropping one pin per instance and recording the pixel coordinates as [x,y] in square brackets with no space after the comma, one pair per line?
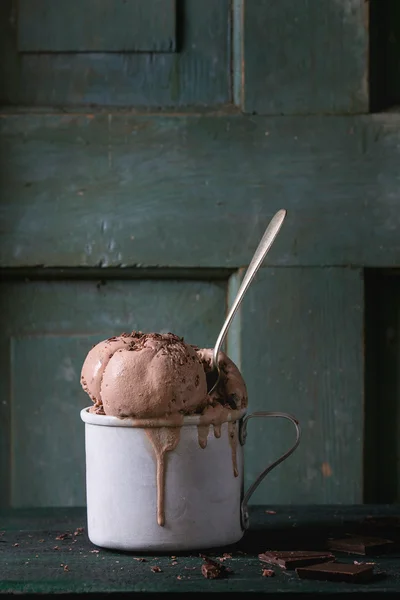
[190,420]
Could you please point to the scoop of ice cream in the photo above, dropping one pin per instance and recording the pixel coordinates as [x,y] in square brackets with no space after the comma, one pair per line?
[145,375]
[231,390]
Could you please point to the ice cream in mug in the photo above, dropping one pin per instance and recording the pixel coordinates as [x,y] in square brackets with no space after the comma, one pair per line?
[164,457]
[160,379]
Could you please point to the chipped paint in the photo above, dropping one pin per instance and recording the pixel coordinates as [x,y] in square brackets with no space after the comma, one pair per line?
[67,371]
[326,469]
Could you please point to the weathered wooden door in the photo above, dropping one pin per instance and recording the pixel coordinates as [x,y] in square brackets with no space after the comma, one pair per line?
[144,147]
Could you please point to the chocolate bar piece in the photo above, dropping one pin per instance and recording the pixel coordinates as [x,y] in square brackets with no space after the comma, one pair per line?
[334,571]
[364,545]
[290,560]
[379,526]
[383,521]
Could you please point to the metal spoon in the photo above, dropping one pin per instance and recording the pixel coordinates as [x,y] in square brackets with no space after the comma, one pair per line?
[265,244]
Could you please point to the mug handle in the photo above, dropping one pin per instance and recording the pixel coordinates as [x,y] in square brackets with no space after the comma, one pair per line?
[256,483]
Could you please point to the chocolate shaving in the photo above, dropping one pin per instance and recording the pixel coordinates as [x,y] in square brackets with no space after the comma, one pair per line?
[63,536]
[224,557]
[156,569]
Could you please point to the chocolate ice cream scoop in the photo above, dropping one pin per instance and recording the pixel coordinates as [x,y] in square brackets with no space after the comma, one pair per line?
[153,378]
[145,376]
[231,389]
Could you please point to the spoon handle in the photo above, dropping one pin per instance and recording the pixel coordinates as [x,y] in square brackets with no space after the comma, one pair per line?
[265,244]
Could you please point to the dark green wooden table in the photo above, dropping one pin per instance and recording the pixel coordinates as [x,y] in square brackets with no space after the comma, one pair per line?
[33,560]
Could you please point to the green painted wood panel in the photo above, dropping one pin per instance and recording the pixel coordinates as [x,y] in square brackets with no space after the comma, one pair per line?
[304,57]
[96,26]
[46,330]
[196,190]
[198,74]
[302,352]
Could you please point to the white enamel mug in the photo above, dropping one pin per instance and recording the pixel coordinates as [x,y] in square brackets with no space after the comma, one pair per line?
[205,504]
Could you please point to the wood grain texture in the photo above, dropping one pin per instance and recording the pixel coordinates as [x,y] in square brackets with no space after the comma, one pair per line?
[198,74]
[302,353]
[238,52]
[305,56]
[96,26]
[122,190]
[34,567]
[47,328]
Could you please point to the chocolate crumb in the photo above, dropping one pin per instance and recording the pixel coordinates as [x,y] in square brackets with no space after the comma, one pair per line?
[63,536]
[41,541]
[66,568]
[179,577]
[271,512]
[156,569]
[79,531]
[139,559]
[210,569]
[56,548]
[94,551]
[268,573]
[15,544]
[174,562]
